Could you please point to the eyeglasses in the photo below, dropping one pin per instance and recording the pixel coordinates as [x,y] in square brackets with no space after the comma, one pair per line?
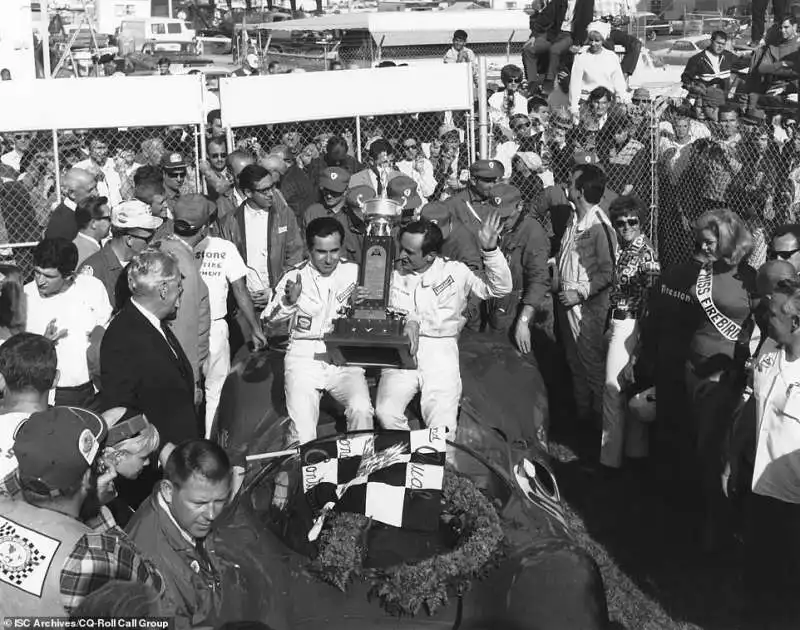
[626,223]
[218,155]
[783,255]
[176,175]
[514,81]
[144,238]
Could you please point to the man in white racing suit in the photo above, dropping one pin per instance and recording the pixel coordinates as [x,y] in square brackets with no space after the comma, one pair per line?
[432,291]
[310,297]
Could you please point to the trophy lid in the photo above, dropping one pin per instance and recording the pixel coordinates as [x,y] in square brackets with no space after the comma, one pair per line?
[382,207]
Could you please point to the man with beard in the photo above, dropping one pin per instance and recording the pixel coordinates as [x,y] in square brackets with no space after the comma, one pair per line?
[142,363]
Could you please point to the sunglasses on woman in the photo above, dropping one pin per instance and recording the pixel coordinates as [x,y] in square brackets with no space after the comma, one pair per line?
[621,223]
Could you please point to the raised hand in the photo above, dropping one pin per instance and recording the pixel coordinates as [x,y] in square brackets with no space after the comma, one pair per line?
[54,333]
[293,290]
[490,231]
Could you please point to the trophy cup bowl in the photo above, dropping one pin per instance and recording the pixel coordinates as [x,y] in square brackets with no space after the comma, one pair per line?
[372,336]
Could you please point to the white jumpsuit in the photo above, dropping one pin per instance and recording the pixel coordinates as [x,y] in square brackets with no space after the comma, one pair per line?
[436,299]
[307,368]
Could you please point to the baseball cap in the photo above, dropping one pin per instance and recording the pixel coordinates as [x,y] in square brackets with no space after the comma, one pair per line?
[134,214]
[173,162]
[487,169]
[505,198]
[436,212]
[334,178]
[252,60]
[403,190]
[56,447]
[641,94]
[357,195]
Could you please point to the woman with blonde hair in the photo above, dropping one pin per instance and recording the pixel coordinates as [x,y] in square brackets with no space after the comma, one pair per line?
[723,297]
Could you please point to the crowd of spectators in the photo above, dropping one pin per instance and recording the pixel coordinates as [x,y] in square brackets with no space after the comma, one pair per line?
[120,316]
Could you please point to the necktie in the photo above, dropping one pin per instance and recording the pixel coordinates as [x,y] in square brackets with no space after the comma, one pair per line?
[379,180]
[175,346]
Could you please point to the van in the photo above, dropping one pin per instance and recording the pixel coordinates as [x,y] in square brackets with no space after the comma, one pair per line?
[135,32]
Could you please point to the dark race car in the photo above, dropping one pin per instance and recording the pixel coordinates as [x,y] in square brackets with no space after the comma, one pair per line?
[508,561]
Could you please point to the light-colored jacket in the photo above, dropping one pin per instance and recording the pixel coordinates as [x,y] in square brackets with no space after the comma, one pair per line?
[321,301]
[437,297]
[776,386]
[587,255]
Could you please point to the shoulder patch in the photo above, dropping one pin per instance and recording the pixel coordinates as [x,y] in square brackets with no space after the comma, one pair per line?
[25,557]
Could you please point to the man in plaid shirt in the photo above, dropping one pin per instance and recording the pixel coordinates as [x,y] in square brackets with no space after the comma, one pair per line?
[49,559]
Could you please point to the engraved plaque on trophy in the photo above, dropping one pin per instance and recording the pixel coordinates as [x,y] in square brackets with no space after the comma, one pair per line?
[372,336]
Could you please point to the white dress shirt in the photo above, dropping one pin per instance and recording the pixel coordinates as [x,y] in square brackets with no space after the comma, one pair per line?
[426,182]
[256,230]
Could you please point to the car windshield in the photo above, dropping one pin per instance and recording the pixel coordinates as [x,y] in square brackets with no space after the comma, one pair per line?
[277,495]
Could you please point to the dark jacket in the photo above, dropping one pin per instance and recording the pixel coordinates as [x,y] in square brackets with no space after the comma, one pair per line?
[139,370]
[462,245]
[192,579]
[548,21]
[298,190]
[62,223]
[286,247]
[106,267]
[698,70]
[353,225]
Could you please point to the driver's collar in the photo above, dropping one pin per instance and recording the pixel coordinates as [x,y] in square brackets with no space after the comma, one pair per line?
[432,273]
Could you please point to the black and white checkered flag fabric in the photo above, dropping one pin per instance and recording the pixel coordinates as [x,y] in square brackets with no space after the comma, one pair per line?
[395,478]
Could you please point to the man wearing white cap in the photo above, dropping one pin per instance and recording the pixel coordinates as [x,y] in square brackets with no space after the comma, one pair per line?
[132,228]
[250,67]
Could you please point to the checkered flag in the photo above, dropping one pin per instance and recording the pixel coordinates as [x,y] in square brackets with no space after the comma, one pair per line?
[395,478]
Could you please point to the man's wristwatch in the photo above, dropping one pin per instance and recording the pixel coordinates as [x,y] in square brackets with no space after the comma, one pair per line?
[524,319]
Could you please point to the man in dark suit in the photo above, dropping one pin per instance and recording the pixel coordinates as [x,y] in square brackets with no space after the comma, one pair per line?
[554,29]
[79,184]
[142,363]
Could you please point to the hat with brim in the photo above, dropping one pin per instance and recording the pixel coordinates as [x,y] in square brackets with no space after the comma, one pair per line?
[357,196]
[505,198]
[436,212]
[55,447]
[173,162]
[403,190]
[334,179]
[133,214]
[754,117]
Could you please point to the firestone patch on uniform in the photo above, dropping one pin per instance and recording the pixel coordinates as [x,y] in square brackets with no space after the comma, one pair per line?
[441,287]
[25,556]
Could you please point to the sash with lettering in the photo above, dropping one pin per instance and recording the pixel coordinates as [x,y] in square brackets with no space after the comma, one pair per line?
[703,290]
[395,477]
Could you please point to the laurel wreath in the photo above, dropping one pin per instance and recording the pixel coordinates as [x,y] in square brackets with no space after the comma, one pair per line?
[406,588]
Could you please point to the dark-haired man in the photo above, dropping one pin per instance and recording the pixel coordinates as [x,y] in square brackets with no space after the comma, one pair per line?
[94,221]
[265,232]
[309,297]
[785,245]
[28,368]
[69,309]
[172,528]
[582,286]
[380,167]
[710,67]
[433,292]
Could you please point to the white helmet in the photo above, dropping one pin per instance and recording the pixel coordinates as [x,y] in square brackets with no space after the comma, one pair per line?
[642,406]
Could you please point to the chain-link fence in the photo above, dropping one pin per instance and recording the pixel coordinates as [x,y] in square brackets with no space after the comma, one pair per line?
[751,169]
[34,165]
[433,133]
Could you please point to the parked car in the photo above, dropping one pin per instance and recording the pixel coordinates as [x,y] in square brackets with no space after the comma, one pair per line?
[214,42]
[682,49]
[730,26]
[183,57]
[651,25]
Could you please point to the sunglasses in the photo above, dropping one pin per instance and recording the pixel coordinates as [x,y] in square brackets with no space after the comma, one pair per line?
[487,180]
[626,223]
[783,255]
[176,175]
[514,81]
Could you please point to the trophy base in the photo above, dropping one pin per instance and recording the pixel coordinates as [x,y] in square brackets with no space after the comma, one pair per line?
[369,343]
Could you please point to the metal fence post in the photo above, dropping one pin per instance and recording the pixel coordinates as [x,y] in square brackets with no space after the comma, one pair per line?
[57,165]
[198,147]
[483,114]
[358,138]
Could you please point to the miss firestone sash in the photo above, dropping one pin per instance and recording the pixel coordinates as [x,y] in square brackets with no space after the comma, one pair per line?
[724,324]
